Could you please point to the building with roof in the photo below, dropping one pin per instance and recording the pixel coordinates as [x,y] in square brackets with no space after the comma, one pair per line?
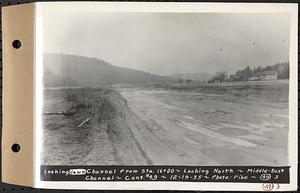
[265,75]
[268,75]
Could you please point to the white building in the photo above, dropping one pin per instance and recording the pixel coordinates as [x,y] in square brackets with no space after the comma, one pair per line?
[268,75]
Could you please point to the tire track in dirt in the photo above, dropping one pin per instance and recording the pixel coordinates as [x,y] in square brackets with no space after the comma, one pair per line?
[120,132]
[112,116]
[143,152]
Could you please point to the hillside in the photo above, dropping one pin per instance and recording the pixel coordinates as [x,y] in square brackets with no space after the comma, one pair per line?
[71,70]
[192,76]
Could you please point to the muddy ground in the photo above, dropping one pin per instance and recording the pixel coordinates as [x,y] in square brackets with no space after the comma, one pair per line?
[230,124]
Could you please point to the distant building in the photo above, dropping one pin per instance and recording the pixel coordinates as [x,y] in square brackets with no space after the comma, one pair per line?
[266,75]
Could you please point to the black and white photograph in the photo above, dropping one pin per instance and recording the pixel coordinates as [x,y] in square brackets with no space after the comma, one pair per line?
[165,88]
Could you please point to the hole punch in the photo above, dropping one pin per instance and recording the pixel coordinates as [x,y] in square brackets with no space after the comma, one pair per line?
[16,148]
[16,44]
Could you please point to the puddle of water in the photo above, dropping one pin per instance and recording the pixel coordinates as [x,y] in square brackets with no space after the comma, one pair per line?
[233,131]
[192,141]
[188,117]
[262,128]
[152,91]
[253,128]
[254,137]
[281,116]
[197,128]
[245,132]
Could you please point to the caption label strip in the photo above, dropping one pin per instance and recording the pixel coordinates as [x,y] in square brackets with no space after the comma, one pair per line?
[244,174]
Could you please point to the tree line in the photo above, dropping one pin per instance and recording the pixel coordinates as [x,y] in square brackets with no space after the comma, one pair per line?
[282,69]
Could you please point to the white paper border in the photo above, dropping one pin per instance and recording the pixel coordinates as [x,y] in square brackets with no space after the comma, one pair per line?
[169,7]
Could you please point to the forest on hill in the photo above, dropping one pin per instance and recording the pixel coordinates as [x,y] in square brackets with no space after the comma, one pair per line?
[282,69]
[61,70]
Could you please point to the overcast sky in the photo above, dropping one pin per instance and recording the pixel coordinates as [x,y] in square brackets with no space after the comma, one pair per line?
[169,43]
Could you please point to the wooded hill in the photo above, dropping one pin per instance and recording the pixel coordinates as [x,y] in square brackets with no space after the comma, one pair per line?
[62,70]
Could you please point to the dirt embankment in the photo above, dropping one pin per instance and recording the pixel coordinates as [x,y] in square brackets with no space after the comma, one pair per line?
[96,132]
[113,116]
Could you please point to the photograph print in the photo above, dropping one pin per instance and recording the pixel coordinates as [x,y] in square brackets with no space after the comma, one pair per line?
[165,88]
